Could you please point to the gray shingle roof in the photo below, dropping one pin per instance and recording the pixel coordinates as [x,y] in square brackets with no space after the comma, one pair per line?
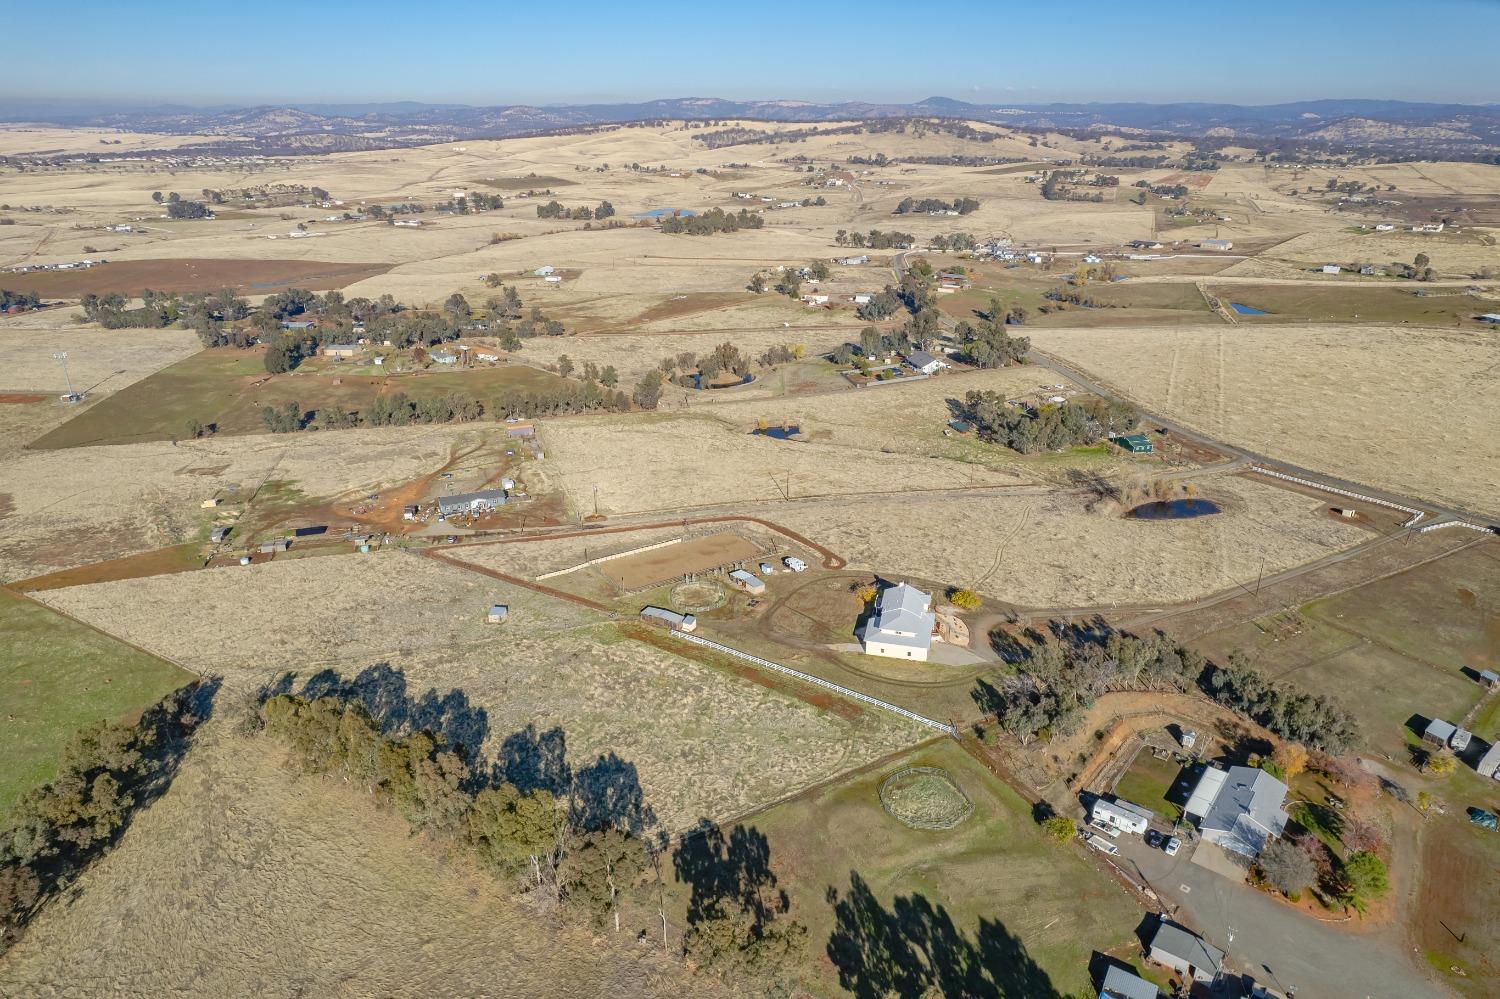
[1247,811]
[1122,984]
[1187,947]
[902,618]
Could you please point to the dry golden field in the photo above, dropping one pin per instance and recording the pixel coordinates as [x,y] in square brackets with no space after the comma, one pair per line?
[706,743]
[1049,550]
[1400,408]
[67,508]
[246,879]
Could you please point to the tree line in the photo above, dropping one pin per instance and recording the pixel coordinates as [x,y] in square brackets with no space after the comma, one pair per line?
[555,210]
[875,239]
[108,772]
[962,206]
[712,221]
[585,846]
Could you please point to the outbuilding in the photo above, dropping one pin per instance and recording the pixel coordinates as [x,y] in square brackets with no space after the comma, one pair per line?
[498,614]
[479,502]
[747,581]
[923,362]
[1120,983]
[340,350]
[1134,443]
[1186,952]
[1489,763]
[1217,245]
[1489,677]
[1332,269]
[663,618]
[1438,732]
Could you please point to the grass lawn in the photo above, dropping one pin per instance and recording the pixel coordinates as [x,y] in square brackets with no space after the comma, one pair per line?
[1456,921]
[993,886]
[58,676]
[219,387]
[1150,783]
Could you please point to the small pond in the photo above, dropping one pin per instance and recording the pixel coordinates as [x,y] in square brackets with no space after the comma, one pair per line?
[778,433]
[659,213]
[1177,509]
[1246,310]
[719,384]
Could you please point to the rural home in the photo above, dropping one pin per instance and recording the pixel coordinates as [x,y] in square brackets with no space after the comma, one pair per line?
[924,362]
[484,500]
[1185,953]
[299,324]
[1090,258]
[663,618]
[901,627]
[1125,816]
[1490,317]
[545,270]
[862,298]
[1438,732]
[1385,227]
[339,350]
[1239,809]
[442,357]
[1144,244]
[1429,227]
[747,581]
[1217,245]
[520,428]
[1122,984]
[1134,443]
[814,299]
[1332,269]
[858,261]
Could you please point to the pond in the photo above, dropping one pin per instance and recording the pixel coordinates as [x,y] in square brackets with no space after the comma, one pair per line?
[1177,509]
[1246,310]
[657,213]
[785,433]
[721,382]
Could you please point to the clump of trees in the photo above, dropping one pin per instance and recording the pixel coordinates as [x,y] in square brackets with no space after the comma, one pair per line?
[554,210]
[583,845]
[924,206]
[988,344]
[1051,427]
[712,221]
[876,239]
[19,300]
[108,772]
[1311,719]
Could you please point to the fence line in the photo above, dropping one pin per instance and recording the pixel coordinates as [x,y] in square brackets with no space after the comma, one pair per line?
[819,681]
[1416,515]
[606,558]
[1456,523]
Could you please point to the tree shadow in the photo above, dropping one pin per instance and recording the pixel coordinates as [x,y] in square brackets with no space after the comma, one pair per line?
[914,949]
[383,691]
[607,794]
[1085,631]
[727,872]
[535,760]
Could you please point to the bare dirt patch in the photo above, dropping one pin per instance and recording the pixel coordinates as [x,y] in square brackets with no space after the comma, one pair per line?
[129,277]
[635,572]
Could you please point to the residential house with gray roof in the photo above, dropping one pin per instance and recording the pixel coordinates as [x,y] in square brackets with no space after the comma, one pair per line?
[902,625]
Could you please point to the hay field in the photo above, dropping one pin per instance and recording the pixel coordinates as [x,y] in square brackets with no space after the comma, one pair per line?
[1452,255]
[68,508]
[1049,551]
[678,461]
[706,743]
[245,879]
[1399,408]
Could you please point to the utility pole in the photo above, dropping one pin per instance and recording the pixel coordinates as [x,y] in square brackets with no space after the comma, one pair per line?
[62,357]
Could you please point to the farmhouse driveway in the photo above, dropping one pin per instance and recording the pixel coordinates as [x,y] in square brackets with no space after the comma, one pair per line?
[1275,944]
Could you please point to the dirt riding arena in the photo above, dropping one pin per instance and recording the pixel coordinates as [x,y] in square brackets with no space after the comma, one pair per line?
[713,551]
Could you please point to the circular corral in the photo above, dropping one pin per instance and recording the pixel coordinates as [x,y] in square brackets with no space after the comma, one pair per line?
[696,596]
[925,798]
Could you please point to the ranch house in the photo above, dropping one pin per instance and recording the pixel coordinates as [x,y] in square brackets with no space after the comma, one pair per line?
[902,625]
[1239,809]
[1185,953]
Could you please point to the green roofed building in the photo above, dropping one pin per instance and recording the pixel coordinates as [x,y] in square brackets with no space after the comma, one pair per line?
[1134,443]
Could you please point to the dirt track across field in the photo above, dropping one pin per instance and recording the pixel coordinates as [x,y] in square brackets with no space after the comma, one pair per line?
[256,277]
[635,572]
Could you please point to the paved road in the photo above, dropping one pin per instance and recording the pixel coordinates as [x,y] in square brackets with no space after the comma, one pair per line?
[1275,943]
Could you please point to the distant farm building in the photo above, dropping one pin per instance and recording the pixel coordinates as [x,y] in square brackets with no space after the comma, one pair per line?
[858,261]
[924,362]
[521,428]
[544,271]
[1332,269]
[498,614]
[479,502]
[663,618]
[747,581]
[340,350]
[1144,244]
[1218,245]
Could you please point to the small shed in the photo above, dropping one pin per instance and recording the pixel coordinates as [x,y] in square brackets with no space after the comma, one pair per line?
[1134,443]
[498,613]
[1331,269]
[747,581]
[1438,732]
[1189,739]
[1489,763]
[409,512]
[663,618]
[1489,677]
[545,270]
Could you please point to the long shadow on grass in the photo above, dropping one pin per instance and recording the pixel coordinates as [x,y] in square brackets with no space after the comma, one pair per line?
[604,793]
[914,949]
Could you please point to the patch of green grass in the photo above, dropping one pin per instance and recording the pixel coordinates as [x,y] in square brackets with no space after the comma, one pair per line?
[1150,783]
[1396,303]
[57,676]
[1486,722]
[994,875]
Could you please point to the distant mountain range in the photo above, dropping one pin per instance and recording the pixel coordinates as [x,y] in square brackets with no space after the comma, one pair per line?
[1468,129]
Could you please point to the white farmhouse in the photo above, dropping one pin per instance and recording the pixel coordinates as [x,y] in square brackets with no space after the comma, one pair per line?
[1239,809]
[901,627]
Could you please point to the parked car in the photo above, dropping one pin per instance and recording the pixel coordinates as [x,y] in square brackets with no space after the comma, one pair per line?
[1173,845]
[1153,838]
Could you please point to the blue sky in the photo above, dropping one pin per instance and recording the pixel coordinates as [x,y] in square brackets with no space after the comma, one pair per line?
[1002,51]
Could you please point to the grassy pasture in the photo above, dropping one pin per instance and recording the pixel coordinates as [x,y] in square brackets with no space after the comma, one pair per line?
[1396,303]
[58,676]
[1149,783]
[994,875]
[219,387]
